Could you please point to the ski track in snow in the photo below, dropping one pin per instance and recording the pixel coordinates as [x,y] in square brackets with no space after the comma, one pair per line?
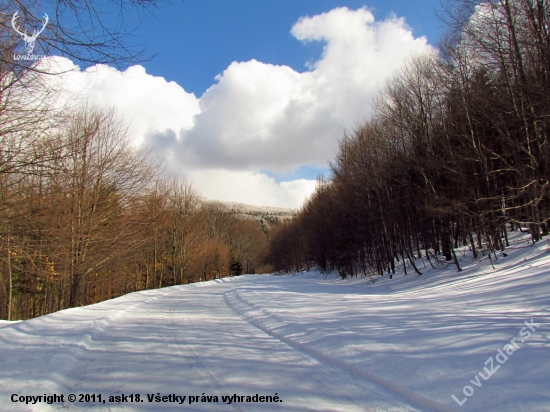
[320,343]
[241,307]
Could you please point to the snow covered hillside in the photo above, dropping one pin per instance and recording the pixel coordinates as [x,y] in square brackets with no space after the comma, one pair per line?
[303,342]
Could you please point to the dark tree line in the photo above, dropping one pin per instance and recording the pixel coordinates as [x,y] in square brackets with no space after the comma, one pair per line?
[456,153]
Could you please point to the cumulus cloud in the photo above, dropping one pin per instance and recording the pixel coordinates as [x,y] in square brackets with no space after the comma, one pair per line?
[259,116]
[148,103]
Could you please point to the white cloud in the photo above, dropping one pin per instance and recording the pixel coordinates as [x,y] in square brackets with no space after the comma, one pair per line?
[260,116]
[251,187]
[264,116]
[148,103]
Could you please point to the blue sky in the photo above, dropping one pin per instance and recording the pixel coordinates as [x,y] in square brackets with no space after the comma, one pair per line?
[248,98]
[194,40]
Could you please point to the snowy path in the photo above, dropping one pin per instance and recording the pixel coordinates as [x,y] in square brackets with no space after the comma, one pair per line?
[181,340]
[405,344]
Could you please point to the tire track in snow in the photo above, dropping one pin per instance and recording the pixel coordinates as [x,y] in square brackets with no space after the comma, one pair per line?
[178,338]
[233,300]
[222,306]
[219,309]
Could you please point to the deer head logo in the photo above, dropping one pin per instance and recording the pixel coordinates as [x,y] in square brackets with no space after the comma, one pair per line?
[29,40]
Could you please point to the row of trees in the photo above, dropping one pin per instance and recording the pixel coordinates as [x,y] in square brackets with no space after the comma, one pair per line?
[85,217]
[457,150]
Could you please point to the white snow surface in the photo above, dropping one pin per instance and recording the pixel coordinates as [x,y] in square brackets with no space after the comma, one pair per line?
[318,342]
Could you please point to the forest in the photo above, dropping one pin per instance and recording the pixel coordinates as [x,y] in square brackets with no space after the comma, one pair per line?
[456,154]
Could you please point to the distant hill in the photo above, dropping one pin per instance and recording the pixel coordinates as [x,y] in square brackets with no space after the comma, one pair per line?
[267,213]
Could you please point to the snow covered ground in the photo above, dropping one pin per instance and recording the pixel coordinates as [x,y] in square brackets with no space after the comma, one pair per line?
[313,343]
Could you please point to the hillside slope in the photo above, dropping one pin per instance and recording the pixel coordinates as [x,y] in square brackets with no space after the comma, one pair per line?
[313,341]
